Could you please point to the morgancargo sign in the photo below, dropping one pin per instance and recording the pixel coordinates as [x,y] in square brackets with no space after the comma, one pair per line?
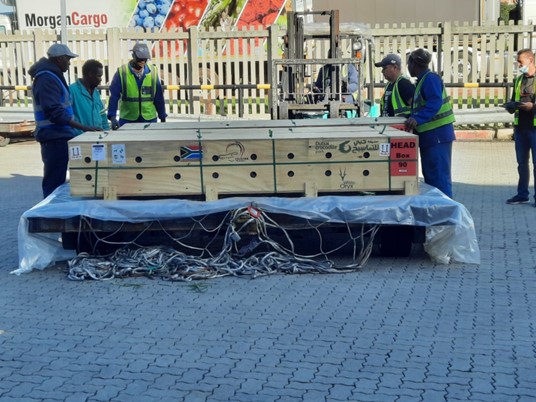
[160,15]
[33,14]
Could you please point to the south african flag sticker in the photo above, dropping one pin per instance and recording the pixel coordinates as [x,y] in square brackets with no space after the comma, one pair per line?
[191,152]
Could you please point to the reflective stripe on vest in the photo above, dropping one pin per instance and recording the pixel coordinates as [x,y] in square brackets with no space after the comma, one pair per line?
[517,97]
[41,121]
[135,100]
[443,117]
[400,108]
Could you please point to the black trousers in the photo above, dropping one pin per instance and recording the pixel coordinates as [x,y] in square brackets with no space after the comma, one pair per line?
[55,156]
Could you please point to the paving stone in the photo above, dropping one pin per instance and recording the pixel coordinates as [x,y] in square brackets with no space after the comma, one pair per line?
[400,329]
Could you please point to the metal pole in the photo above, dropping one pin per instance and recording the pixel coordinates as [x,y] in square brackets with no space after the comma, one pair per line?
[63,33]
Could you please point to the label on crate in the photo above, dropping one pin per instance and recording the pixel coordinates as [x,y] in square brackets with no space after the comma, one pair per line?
[190,152]
[403,168]
[119,154]
[385,149]
[358,146]
[75,153]
[98,152]
[403,148]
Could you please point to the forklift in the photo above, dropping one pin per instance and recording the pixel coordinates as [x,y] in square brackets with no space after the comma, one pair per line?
[293,94]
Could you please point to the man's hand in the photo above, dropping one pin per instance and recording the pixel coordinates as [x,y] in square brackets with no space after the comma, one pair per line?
[410,124]
[526,106]
[510,107]
[114,124]
[92,128]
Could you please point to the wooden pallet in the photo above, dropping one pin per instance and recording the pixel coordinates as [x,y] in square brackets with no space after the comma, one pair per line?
[211,160]
[15,130]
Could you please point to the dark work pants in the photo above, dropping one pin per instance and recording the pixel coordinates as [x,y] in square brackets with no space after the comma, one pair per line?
[436,166]
[55,156]
[525,141]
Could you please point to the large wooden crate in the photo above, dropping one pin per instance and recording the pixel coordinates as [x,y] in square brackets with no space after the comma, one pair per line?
[241,158]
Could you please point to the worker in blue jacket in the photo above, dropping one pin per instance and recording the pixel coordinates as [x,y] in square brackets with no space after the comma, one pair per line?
[432,120]
[87,104]
[137,90]
[54,117]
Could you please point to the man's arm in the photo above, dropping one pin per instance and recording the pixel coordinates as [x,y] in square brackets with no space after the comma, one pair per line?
[159,102]
[115,94]
[50,93]
[407,90]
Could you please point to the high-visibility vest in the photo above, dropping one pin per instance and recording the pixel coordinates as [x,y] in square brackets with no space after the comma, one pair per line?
[41,121]
[443,117]
[135,100]
[400,108]
[517,97]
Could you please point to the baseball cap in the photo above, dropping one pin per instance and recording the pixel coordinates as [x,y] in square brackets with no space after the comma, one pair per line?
[388,60]
[59,49]
[141,51]
[421,57]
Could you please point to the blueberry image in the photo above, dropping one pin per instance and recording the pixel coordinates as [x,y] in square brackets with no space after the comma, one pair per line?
[159,20]
[151,8]
[163,9]
[148,22]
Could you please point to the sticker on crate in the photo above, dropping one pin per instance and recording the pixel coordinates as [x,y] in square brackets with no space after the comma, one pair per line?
[403,148]
[75,153]
[190,152]
[119,154]
[403,168]
[98,152]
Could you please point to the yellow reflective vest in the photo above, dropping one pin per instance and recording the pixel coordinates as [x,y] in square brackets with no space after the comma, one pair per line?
[517,97]
[400,108]
[444,116]
[136,100]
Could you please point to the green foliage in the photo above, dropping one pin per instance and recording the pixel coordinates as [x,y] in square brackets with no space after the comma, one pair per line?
[505,11]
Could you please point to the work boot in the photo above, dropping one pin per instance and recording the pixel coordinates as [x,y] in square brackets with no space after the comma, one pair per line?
[516,199]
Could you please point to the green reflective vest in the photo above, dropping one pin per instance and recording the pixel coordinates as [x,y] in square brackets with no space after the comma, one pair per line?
[443,117]
[135,100]
[517,97]
[400,108]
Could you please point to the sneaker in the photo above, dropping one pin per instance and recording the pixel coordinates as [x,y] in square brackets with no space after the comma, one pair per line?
[517,200]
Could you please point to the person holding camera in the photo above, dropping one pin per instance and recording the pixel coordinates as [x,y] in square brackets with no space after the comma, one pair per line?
[522,106]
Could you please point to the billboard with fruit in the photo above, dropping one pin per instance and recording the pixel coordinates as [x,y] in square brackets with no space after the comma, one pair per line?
[151,14]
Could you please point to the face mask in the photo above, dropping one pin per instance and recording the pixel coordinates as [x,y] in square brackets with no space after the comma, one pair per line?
[524,69]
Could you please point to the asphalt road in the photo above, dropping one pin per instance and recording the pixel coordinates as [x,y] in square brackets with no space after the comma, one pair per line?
[401,329]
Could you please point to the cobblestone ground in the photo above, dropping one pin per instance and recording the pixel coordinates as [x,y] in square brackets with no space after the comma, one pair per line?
[402,329]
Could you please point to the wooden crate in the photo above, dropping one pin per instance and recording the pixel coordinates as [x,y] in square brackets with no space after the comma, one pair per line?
[212,159]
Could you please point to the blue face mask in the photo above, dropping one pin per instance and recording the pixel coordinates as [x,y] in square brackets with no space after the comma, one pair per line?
[524,69]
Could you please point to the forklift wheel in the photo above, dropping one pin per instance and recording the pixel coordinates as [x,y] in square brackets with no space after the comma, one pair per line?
[396,241]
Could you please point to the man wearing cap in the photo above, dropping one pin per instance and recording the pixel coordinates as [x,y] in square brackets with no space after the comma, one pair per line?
[432,119]
[53,111]
[399,91]
[136,89]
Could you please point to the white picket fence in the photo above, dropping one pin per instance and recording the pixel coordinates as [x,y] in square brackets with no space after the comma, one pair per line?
[191,63]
